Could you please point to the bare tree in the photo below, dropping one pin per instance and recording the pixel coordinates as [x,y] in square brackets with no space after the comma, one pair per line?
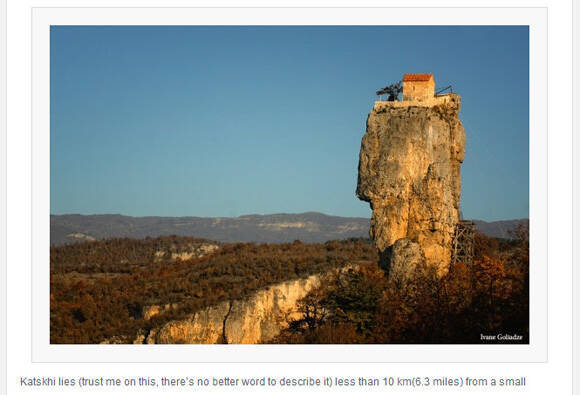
[392,90]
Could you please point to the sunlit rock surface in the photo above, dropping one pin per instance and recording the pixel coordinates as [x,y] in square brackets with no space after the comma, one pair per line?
[409,172]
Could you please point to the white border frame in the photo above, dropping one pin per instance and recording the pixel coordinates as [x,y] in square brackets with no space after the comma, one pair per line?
[43,351]
[3,197]
[576,197]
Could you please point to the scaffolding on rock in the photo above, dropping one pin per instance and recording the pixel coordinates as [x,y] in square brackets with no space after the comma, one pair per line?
[463,241]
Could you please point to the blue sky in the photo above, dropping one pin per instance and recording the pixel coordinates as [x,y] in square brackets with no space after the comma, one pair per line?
[226,121]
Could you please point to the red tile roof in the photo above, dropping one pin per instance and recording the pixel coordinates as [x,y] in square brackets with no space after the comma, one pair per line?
[417,77]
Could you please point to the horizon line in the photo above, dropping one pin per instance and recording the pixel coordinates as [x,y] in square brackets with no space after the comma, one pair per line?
[256,214]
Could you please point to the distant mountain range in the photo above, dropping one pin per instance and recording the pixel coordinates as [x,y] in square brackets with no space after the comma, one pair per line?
[500,229]
[275,228]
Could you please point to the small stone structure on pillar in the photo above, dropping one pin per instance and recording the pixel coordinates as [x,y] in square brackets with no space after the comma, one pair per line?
[418,87]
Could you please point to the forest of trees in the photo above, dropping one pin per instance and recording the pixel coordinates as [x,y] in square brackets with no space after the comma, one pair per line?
[361,306]
[99,288]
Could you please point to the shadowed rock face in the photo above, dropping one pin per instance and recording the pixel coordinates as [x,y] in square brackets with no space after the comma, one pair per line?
[409,172]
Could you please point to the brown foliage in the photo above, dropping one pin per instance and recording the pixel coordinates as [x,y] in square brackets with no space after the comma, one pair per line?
[487,297]
[99,289]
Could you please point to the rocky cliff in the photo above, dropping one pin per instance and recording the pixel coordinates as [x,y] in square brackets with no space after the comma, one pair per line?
[253,320]
[409,172]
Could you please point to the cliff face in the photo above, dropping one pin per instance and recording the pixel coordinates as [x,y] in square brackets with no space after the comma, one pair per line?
[409,172]
[253,320]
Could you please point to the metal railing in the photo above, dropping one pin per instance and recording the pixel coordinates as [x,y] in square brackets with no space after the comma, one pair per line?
[447,88]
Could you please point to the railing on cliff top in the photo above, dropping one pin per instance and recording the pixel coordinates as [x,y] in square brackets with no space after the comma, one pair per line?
[441,92]
[447,88]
